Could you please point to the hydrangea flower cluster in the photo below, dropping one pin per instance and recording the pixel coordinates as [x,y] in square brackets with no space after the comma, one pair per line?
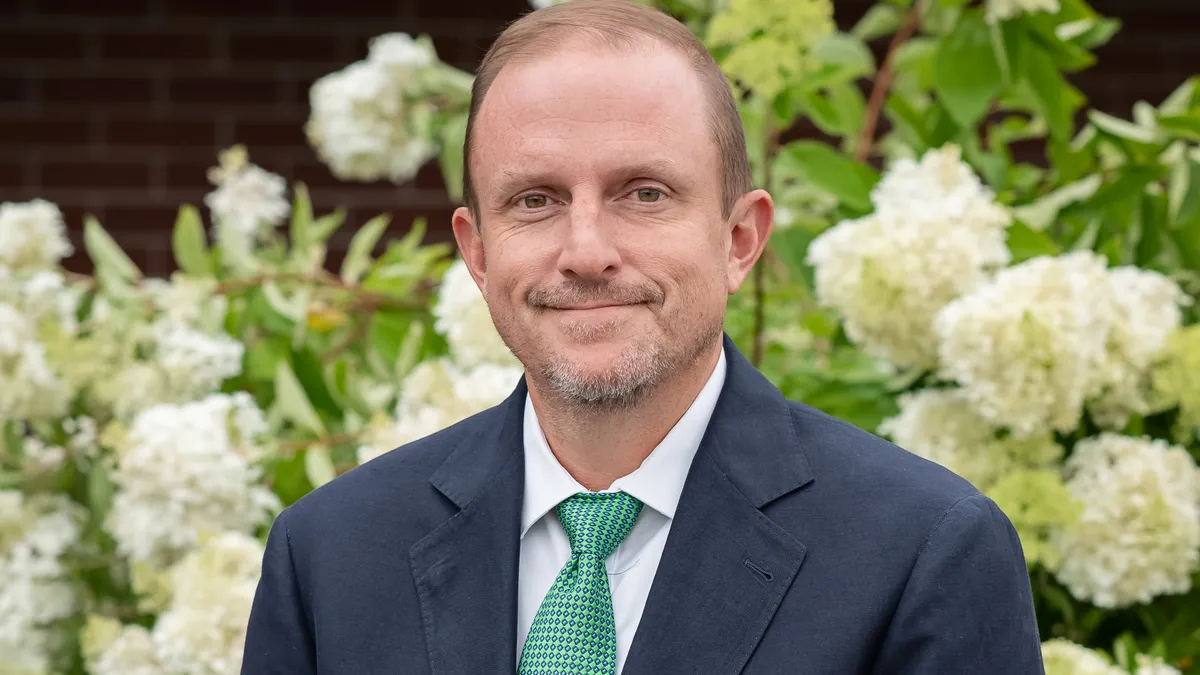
[935,235]
[1044,337]
[186,471]
[1063,657]
[1139,534]
[373,119]
[248,200]
[35,532]
[202,628]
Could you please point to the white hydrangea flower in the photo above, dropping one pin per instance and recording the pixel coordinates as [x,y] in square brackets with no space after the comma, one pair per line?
[203,632]
[29,388]
[248,201]
[1147,311]
[188,300]
[1063,657]
[187,471]
[1028,348]
[999,10]
[942,426]
[366,123]
[194,363]
[36,591]
[541,4]
[130,652]
[1139,534]
[42,296]
[32,235]
[936,234]
[463,318]
[435,395]
[1152,665]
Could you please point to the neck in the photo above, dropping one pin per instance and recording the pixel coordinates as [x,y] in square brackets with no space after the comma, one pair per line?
[599,445]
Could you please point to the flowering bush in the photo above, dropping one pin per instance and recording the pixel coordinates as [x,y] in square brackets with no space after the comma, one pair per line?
[1030,325]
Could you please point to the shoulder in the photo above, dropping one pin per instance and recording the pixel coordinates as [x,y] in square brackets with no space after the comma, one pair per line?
[393,488]
[873,482]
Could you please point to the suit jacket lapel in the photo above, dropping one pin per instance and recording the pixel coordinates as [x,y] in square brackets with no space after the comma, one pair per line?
[466,570]
[726,566]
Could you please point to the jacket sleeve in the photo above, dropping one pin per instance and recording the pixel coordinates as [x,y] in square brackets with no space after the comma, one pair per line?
[279,638]
[967,606]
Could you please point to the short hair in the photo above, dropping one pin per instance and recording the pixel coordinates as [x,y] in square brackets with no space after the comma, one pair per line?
[621,25]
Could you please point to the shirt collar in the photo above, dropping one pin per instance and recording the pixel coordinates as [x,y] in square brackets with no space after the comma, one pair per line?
[657,483]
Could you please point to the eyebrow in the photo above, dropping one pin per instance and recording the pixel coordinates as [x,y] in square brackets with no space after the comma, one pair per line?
[667,170]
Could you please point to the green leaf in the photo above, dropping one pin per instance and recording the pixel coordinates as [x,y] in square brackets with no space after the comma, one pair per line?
[189,243]
[1026,243]
[1056,99]
[263,357]
[358,255]
[851,107]
[822,166]
[1183,99]
[1182,126]
[293,403]
[311,374]
[100,491]
[105,252]
[302,218]
[966,75]
[318,466]
[1040,213]
[453,137]
[324,227]
[880,20]
[387,332]
[847,52]
[1120,128]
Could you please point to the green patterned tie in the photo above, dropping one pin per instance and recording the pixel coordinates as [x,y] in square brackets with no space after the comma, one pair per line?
[573,632]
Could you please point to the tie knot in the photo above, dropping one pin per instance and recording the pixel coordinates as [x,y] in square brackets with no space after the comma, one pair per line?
[596,522]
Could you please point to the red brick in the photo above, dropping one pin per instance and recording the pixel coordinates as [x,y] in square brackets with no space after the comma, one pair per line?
[189,174]
[284,48]
[133,220]
[222,90]
[143,46]
[25,132]
[25,43]
[356,9]
[225,8]
[95,89]
[164,132]
[93,8]
[270,134]
[11,176]
[500,10]
[12,89]
[314,174]
[94,174]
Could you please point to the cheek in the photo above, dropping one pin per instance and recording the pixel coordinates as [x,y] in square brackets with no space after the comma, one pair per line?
[515,264]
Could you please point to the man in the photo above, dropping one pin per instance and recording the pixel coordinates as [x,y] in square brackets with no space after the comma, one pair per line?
[645,502]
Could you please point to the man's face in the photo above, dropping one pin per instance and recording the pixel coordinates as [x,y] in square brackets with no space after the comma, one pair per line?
[601,250]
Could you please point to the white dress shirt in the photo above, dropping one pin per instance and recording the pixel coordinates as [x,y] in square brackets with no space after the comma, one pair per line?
[657,483]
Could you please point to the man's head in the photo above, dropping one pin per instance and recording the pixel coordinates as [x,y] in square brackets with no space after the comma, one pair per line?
[609,205]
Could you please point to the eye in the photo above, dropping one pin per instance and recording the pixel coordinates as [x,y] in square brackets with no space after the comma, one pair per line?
[534,201]
[648,195]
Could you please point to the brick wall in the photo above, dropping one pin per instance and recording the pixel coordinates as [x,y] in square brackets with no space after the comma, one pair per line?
[117,107]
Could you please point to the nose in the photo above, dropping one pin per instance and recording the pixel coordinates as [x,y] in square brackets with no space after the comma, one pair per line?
[588,251]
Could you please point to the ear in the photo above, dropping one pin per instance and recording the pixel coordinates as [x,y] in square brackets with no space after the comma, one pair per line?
[470,245]
[750,228]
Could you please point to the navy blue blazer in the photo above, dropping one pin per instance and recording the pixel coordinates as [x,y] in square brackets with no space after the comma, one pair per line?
[801,545]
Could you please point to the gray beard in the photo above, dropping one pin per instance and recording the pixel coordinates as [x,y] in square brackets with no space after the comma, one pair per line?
[638,373]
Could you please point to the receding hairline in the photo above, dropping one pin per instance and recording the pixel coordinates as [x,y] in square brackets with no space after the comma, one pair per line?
[613,25]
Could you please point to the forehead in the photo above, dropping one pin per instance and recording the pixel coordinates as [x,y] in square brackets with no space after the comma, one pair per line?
[583,108]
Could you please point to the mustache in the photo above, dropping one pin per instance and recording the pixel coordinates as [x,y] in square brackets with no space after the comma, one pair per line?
[575,293]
